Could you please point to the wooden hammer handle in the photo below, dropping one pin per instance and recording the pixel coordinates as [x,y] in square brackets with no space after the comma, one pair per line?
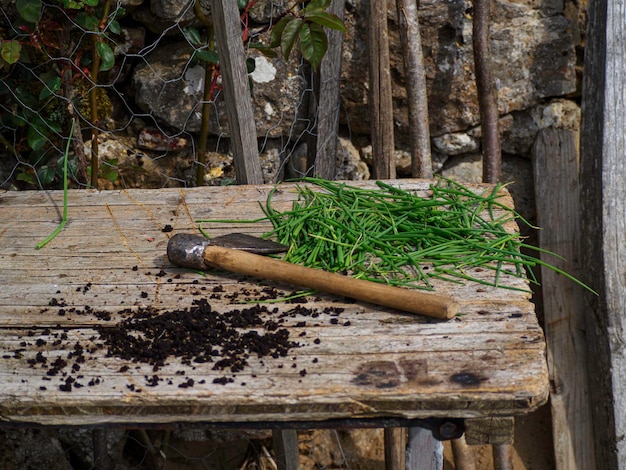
[413,301]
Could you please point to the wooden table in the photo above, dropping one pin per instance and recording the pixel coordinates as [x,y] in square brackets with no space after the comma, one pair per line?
[355,363]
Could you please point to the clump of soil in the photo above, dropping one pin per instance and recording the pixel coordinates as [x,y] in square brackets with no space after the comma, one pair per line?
[198,335]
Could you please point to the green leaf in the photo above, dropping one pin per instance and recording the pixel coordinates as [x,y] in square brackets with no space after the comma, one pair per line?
[114,27]
[290,36]
[51,86]
[109,170]
[28,177]
[193,36]
[45,174]
[277,30]
[88,22]
[207,55]
[73,4]
[29,10]
[91,3]
[326,19]
[11,51]
[313,43]
[317,5]
[263,49]
[107,57]
[36,137]
[118,13]
[250,64]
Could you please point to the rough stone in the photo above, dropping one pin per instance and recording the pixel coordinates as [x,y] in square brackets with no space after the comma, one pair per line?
[533,58]
[168,75]
[32,448]
[265,11]
[456,143]
[519,135]
[517,173]
[80,443]
[403,160]
[350,166]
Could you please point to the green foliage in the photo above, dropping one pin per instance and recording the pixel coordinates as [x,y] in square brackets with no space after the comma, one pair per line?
[202,49]
[306,26]
[107,58]
[10,51]
[29,10]
[35,104]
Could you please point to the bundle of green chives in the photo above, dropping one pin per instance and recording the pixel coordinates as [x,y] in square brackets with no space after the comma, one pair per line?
[395,236]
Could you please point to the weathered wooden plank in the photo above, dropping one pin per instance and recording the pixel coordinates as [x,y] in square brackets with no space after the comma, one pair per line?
[380,96]
[423,450]
[556,166]
[286,449]
[417,99]
[325,104]
[603,204]
[360,361]
[395,448]
[240,113]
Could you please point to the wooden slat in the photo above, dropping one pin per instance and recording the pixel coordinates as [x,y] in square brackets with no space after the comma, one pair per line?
[361,362]
[603,204]
[239,110]
[423,450]
[558,212]
[395,448]
[380,95]
[325,104]
[417,99]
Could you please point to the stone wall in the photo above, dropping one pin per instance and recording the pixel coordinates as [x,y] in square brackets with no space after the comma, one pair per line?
[157,90]
[535,47]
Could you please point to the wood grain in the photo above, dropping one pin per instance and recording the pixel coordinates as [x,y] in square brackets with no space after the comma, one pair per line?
[325,104]
[380,94]
[354,360]
[239,110]
[603,204]
[557,192]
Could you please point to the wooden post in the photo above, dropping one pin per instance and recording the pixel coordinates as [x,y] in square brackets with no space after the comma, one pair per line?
[381,105]
[557,192]
[463,457]
[285,444]
[424,452]
[603,204]
[395,448]
[415,76]
[325,103]
[239,108]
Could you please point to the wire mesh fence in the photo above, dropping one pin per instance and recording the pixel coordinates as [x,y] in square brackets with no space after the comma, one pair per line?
[142,85]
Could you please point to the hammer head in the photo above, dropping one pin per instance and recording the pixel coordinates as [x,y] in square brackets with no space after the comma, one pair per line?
[186,249]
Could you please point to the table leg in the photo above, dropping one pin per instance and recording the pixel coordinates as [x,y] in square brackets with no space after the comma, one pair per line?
[423,451]
[100,453]
[463,458]
[502,457]
[395,448]
[286,449]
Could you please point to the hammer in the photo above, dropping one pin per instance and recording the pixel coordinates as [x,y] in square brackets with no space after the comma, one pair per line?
[238,253]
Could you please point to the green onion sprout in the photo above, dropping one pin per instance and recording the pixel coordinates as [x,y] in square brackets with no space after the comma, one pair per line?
[61,225]
[395,236]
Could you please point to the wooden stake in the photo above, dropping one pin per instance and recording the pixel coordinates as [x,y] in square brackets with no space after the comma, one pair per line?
[415,76]
[241,126]
[381,105]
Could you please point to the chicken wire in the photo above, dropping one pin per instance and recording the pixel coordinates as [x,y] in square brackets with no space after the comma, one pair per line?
[147,123]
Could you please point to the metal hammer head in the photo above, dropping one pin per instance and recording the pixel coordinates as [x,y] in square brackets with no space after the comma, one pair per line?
[186,249]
